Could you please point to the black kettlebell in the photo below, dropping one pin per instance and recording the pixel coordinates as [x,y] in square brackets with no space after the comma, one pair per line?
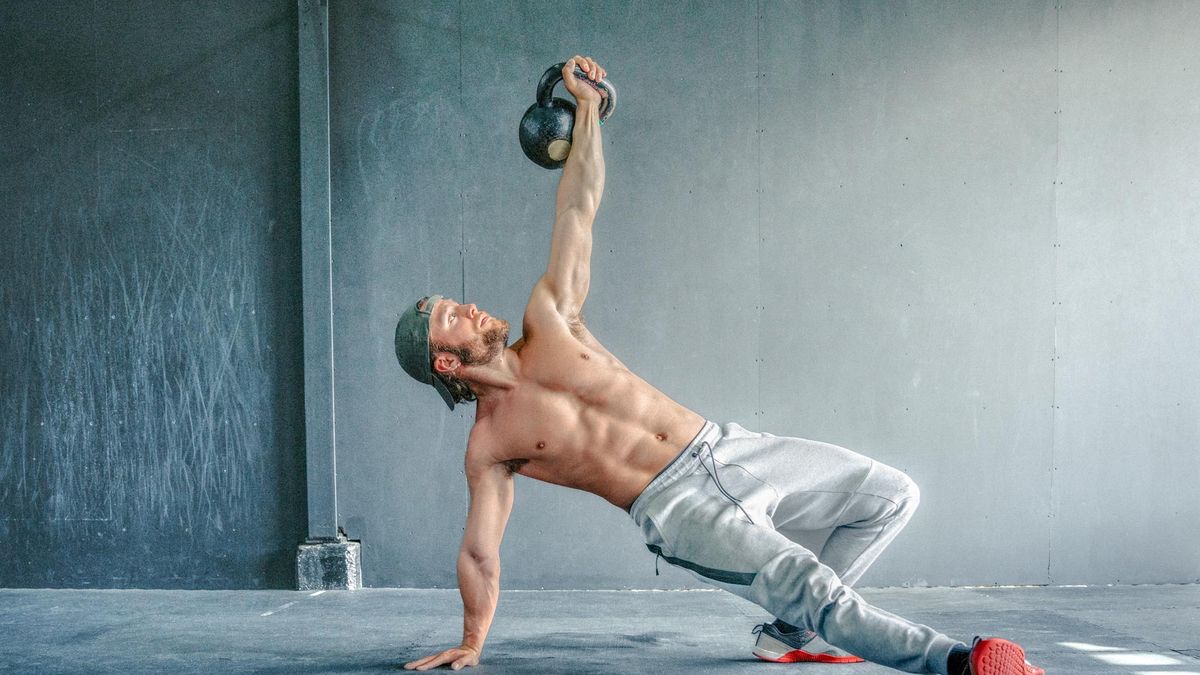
[545,129]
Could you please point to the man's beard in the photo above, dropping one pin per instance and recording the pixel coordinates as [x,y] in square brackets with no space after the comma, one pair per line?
[490,344]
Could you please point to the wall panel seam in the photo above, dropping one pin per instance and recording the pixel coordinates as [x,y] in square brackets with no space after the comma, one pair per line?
[1054,304]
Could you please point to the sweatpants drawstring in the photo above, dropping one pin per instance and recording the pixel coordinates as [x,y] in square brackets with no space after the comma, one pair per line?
[717,481]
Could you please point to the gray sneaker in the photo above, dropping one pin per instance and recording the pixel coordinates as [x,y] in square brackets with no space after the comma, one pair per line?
[803,645]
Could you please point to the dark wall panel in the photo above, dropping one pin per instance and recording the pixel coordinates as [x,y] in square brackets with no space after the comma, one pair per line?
[150,394]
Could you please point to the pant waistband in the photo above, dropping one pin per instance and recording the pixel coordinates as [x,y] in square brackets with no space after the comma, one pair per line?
[684,464]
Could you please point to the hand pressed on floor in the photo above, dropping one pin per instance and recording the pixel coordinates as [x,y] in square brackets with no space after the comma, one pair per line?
[457,657]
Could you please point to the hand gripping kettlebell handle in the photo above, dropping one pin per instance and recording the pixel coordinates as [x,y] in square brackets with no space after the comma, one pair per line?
[553,75]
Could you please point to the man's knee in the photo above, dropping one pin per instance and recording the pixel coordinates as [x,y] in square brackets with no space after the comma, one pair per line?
[910,492]
[898,488]
[906,499]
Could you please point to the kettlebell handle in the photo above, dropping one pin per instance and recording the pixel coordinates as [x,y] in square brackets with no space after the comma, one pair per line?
[553,75]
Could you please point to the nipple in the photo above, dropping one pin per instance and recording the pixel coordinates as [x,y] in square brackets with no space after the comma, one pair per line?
[541,444]
[661,436]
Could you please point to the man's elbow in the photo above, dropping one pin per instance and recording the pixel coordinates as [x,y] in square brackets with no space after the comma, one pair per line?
[485,561]
[580,210]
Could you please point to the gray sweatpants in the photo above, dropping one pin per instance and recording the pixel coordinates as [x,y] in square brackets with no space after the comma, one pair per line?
[729,507]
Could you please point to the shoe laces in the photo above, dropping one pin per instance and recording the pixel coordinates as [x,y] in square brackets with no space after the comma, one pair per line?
[807,634]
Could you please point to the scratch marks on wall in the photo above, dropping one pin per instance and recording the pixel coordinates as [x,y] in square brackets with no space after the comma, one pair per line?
[136,367]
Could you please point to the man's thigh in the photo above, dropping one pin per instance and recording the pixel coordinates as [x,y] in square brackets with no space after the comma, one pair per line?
[704,533]
[709,537]
[811,484]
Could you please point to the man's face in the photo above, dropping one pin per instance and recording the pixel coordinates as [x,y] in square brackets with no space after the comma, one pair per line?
[480,336]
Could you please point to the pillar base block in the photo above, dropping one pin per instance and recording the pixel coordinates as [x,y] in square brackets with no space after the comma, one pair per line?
[329,565]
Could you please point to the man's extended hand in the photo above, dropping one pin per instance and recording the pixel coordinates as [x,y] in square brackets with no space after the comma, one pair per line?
[457,657]
[581,91]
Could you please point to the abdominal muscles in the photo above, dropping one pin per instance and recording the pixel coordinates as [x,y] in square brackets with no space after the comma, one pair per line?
[607,434]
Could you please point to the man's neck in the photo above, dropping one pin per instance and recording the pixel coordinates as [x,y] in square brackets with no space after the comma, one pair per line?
[494,378]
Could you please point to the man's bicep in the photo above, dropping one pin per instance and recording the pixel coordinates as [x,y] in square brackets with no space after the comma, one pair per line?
[491,489]
[568,274]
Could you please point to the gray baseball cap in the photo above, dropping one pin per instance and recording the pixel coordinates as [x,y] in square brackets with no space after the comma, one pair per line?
[412,345]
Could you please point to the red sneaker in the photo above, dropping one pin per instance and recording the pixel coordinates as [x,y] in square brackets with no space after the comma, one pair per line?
[997,656]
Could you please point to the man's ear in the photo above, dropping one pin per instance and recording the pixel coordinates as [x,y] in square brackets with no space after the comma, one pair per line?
[445,362]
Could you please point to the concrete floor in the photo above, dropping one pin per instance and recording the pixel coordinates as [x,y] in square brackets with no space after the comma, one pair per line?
[1095,630]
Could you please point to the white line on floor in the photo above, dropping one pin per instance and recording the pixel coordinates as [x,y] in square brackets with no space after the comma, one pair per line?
[277,609]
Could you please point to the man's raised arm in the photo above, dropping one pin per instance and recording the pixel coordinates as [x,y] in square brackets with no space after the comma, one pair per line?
[579,191]
[491,488]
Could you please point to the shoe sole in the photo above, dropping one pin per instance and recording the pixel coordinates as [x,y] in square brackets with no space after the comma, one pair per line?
[770,649]
[996,656]
[801,656]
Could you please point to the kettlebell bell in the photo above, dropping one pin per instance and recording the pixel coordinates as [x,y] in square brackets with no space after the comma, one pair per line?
[545,130]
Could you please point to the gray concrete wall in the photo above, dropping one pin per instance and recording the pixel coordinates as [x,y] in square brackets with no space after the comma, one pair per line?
[958,238]
[1126,451]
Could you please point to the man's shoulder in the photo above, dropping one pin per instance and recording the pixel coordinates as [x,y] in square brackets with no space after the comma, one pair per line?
[483,448]
[484,454]
[542,315]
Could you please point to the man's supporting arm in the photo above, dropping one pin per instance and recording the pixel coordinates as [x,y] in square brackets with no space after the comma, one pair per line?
[579,191]
[491,489]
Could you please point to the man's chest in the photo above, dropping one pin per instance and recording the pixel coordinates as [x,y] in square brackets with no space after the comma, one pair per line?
[557,415]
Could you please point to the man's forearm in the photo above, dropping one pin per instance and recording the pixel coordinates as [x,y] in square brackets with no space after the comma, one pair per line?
[479,584]
[582,183]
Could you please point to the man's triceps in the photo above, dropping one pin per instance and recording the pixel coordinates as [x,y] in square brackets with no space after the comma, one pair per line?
[491,497]
[568,274]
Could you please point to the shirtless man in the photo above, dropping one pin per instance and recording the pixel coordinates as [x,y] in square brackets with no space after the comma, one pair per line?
[716,500]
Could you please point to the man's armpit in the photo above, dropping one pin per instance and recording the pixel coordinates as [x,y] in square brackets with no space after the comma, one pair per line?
[578,327]
[514,465]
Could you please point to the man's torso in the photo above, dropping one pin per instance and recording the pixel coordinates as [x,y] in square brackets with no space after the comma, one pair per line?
[578,417]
